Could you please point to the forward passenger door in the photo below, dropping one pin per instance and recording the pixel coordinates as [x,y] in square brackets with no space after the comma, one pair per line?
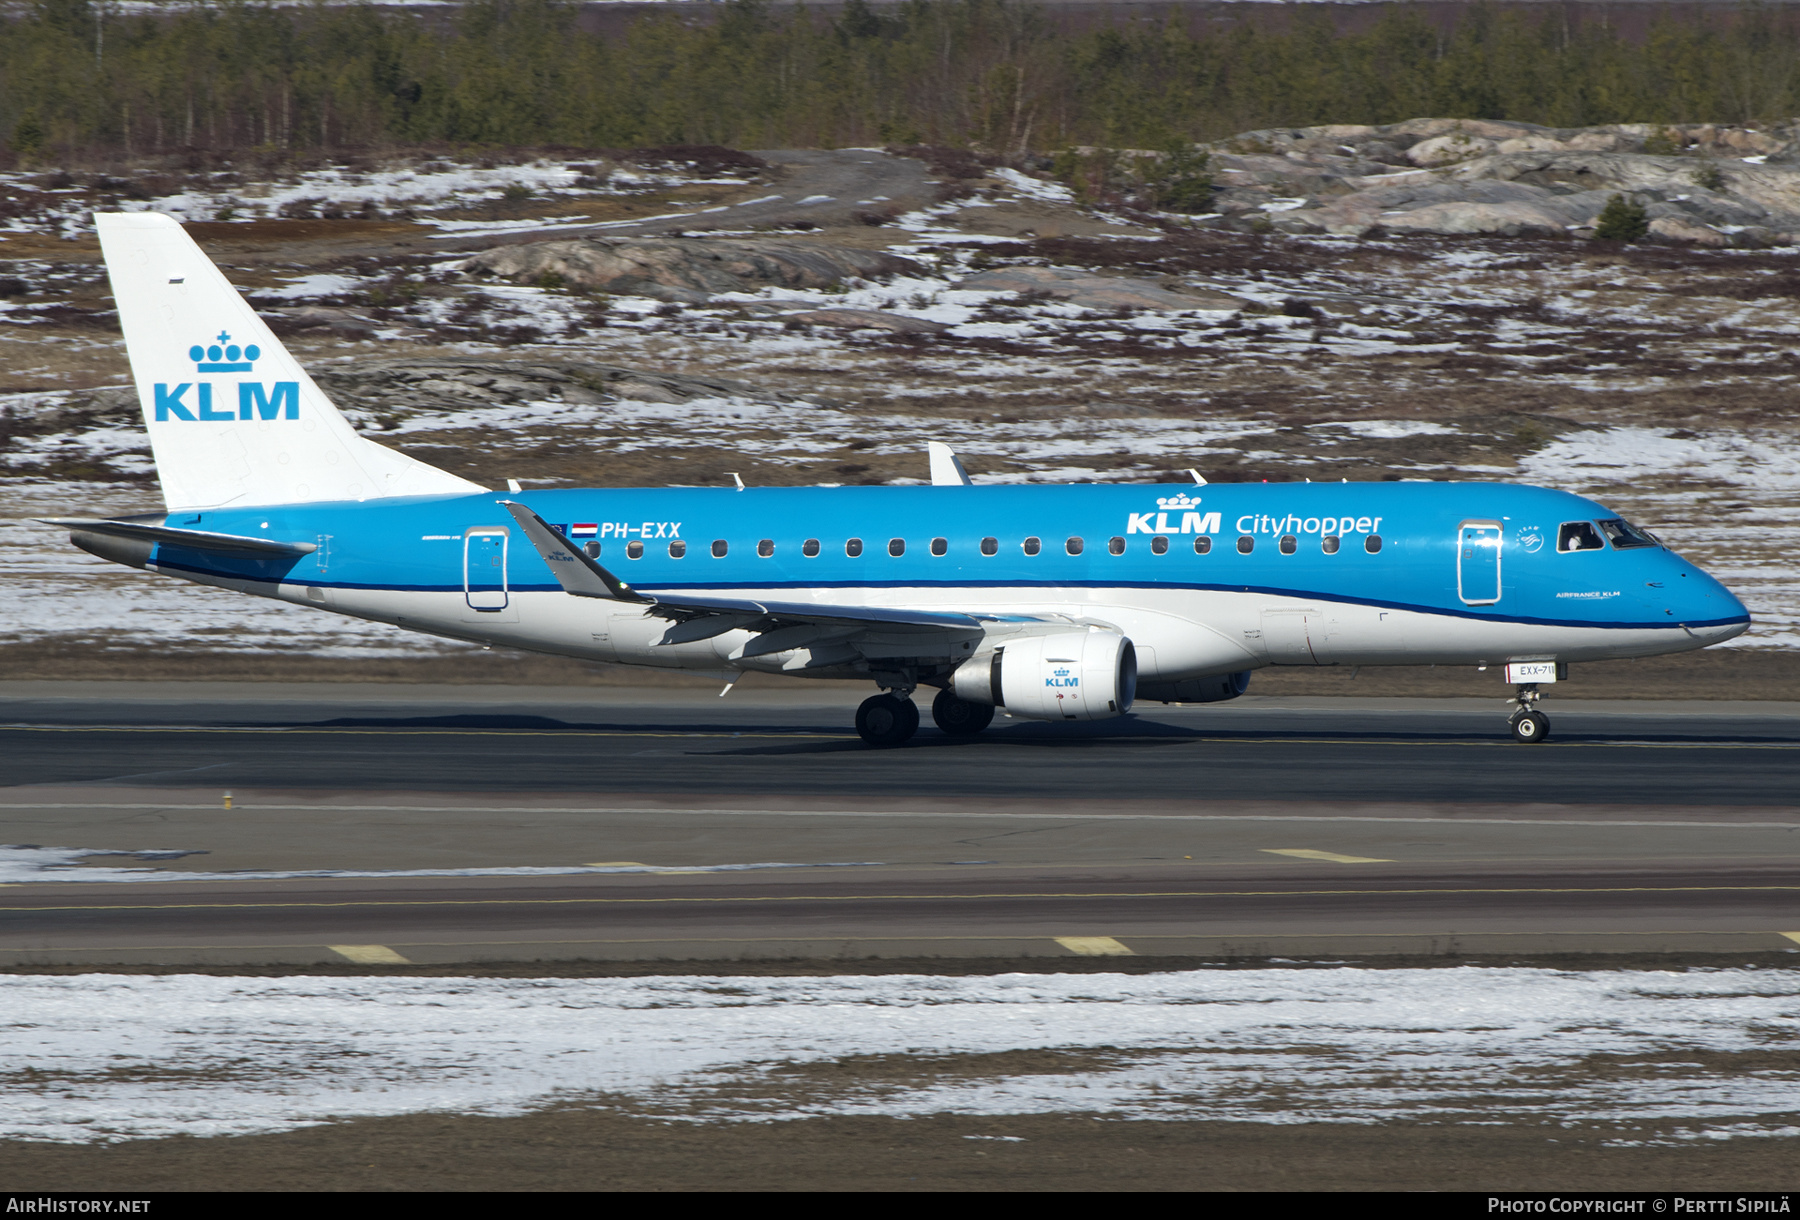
[1478,562]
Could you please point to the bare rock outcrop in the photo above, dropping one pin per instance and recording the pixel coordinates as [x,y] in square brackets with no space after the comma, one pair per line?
[689,270]
[1702,184]
[1096,291]
[869,319]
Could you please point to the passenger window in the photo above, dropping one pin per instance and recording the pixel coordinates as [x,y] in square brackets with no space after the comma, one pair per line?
[1032,546]
[1246,544]
[1579,536]
[1288,544]
[1329,544]
[593,550]
[1073,546]
[990,546]
[1159,545]
[1203,544]
[940,546]
[810,548]
[634,550]
[765,548]
[677,550]
[1115,546]
[1624,535]
[719,548]
[896,547]
[853,547]
[1372,544]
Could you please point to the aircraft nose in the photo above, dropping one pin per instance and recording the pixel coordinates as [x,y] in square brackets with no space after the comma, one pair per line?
[1710,610]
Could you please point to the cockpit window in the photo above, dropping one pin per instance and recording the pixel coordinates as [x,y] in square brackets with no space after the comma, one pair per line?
[1579,536]
[1624,535]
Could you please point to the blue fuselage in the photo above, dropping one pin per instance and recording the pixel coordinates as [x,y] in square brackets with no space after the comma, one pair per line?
[1125,538]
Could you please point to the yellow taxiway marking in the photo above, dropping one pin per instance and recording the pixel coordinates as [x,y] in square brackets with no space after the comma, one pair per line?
[1793,936]
[875,940]
[369,955]
[1094,946]
[1370,892]
[1307,853]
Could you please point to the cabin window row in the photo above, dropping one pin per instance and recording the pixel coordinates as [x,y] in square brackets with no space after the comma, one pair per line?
[1288,544]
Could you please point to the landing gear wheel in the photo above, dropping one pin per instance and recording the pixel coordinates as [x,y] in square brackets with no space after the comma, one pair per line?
[960,717]
[884,720]
[1530,726]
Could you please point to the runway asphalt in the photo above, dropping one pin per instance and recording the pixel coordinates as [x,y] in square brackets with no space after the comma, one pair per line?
[613,823]
[801,742]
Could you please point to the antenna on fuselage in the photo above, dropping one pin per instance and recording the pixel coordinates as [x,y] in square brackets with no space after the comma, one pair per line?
[736,478]
[1197,478]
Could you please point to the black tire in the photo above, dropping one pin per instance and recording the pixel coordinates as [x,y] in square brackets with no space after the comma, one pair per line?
[884,720]
[960,717]
[1530,727]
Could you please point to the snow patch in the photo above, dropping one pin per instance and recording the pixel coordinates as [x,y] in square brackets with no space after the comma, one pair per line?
[97,1058]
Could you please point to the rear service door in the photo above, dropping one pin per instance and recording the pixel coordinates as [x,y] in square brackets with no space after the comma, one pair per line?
[484,567]
[1478,562]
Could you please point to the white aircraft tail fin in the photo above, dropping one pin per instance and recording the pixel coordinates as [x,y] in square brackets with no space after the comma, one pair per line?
[233,418]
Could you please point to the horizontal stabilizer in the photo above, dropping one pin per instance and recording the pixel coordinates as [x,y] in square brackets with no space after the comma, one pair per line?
[199,540]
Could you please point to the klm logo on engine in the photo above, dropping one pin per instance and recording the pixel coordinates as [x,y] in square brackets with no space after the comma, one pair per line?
[1193,521]
[1060,678]
[195,401]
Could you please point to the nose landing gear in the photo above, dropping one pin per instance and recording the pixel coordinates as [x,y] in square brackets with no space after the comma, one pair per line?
[887,720]
[1527,723]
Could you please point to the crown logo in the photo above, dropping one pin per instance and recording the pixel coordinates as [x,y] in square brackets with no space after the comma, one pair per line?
[1177,502]
[1062,673]
[223,356]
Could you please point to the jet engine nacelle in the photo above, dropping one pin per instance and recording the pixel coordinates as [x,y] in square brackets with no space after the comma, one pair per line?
[1072,675]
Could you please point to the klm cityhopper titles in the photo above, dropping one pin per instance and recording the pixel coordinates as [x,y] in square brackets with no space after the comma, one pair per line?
[1052,603]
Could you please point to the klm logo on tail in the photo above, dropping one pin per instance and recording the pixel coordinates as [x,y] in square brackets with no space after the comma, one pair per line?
[255,399]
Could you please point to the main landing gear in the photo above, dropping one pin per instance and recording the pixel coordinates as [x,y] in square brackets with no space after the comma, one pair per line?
[960,717]
[1527,723]
[889,719]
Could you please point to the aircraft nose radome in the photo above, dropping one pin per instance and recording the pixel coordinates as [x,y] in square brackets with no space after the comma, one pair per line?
[1712,603]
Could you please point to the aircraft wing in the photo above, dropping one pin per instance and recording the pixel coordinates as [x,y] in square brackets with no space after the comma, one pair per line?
[780,625]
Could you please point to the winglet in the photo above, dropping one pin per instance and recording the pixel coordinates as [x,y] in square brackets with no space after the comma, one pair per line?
[946,468]
[574,571]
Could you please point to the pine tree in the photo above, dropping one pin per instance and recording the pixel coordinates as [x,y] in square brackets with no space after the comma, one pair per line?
[1621,221]
[28,136]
